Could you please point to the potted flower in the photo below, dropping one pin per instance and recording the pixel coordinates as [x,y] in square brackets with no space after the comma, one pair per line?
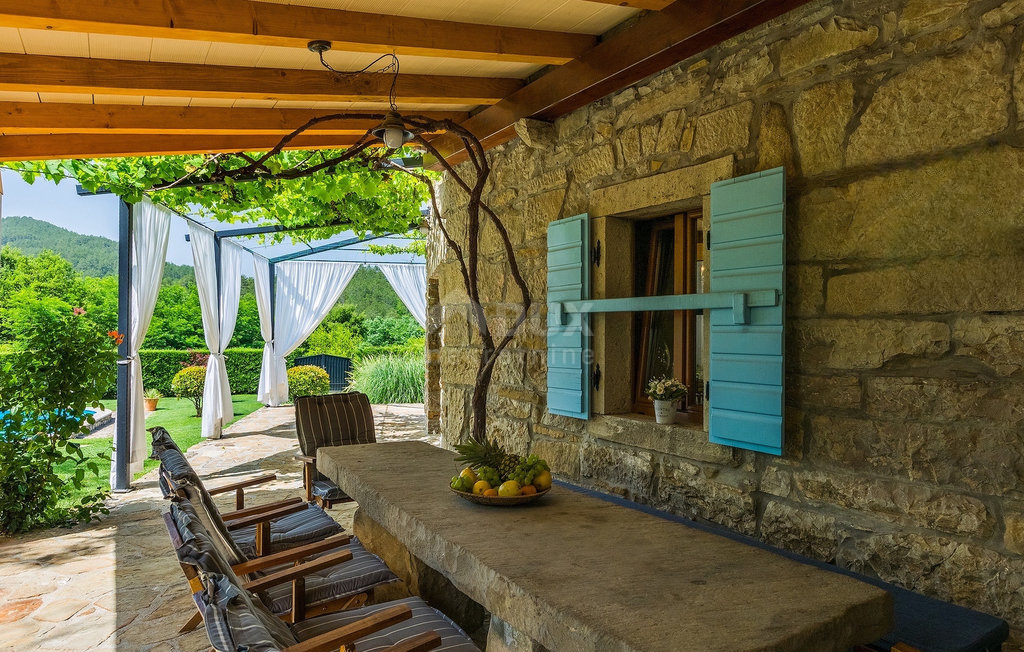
[665,392]
[151,398]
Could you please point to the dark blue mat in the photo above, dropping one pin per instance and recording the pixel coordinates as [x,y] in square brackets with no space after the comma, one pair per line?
[928,624]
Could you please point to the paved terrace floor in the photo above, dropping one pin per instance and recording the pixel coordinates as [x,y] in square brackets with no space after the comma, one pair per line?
[115,584]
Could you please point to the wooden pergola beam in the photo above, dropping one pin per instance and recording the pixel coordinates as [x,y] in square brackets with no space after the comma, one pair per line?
[34,73]
[65,146]
[292,25]
[656,41]
[28,118]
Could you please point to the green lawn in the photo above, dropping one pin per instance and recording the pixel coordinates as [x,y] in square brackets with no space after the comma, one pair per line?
[177,415]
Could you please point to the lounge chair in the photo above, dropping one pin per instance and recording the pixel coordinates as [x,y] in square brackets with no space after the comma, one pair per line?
[331,420]
[237,617]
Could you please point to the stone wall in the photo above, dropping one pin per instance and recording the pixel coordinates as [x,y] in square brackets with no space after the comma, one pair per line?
[897,121]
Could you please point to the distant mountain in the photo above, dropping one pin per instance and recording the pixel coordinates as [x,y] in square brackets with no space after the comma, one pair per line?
[92,255]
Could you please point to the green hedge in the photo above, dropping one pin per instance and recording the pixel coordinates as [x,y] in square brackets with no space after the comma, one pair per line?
[160,365]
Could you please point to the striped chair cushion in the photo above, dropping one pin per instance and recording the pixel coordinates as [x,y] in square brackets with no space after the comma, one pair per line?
[364,571]
[327,490]
[310,525]
[235,620]
[161,441]
[177,474]
[424,619]
[333,420]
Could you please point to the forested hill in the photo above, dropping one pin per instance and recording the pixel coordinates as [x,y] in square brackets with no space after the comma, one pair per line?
[92,255]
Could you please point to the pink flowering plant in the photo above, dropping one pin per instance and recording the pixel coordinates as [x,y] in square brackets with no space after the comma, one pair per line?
[665,389]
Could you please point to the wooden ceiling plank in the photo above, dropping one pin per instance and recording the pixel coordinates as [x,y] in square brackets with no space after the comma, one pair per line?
[21,72]
[25,118]
[30,148]
[265,23]
[656,41]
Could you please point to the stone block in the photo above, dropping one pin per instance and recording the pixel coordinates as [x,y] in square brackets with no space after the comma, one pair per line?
[642,432]
[677,96]
[776,481]
[984,458]
[774,145]
[815,392]
[455,331]
[806,532]
[622,471]
[944,399]
[820,118]
[671,131]
[512,434]
[562,456]
[455,418]
[928,287]
[744,71]
[898,502]
[907,118]
[724,131]
[1004,13]
[836,344]
[459,365]
[823,41]
[593,163]
[918,15]
[699,492]
[805,291]
[996,340]
[1013,535]
[944,568]
[658,189]
[916,213]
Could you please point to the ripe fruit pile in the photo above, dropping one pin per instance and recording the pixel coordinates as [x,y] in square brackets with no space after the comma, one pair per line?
[494,472]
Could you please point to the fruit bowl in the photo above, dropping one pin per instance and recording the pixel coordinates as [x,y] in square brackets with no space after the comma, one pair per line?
[501,501]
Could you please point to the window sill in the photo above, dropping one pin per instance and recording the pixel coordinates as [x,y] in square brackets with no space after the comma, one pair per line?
[640,431]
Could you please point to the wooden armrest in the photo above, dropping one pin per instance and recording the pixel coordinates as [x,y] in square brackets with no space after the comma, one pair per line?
[292,554]
[331,641]
[256,519]
[242,484]
[259,509]
[307,459]
[299,570]
[420,643]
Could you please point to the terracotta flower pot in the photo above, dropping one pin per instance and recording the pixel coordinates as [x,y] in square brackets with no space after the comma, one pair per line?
[150,403]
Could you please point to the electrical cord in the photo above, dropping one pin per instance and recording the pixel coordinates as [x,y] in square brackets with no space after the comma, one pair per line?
[392,67]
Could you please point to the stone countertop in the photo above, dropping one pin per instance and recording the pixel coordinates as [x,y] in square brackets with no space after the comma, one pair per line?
[577,573]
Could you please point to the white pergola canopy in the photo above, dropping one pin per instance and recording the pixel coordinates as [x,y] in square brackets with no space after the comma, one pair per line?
[297,283]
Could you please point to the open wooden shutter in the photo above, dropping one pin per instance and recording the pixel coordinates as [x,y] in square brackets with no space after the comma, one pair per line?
[569,342]
[748,252]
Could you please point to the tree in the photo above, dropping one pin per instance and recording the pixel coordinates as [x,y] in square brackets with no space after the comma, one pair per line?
[361,188]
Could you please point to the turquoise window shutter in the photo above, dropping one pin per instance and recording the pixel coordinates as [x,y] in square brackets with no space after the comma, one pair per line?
[569,341]
[748,252]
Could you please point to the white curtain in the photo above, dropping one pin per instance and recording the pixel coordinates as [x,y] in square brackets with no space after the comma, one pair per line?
[151,228]
[219,313]
[306,291]
[410,283]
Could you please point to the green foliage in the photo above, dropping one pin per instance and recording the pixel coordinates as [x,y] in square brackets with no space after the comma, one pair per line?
[378,201]
[388,331]
[390,378]
[46,275]
[58,365]
[308,380]
[371,294]
[188,383]
[152,392]
[91,255]
[334,339]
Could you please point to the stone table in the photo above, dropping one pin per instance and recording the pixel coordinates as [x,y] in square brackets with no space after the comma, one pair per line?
[573,572]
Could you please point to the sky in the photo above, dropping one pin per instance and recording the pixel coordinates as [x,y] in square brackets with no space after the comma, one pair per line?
[61,205]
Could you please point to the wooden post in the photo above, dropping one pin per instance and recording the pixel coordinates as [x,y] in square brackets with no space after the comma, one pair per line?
[122,432]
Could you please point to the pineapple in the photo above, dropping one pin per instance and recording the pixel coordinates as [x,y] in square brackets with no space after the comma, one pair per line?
[477,455]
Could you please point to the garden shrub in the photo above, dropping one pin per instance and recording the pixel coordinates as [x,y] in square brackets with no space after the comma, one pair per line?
[307,380]
[59,363]
[390,378]
[189,383]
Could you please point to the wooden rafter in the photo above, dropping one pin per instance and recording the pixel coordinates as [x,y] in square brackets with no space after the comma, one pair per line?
[656,41]
[25,72]
[291,25]
[25,118]
[30,148]
[653,5]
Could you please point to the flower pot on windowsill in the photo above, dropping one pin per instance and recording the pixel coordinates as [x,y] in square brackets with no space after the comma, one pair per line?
[150,404]
[664,411]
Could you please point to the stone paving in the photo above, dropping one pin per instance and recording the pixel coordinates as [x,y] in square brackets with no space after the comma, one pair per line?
[115,584]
